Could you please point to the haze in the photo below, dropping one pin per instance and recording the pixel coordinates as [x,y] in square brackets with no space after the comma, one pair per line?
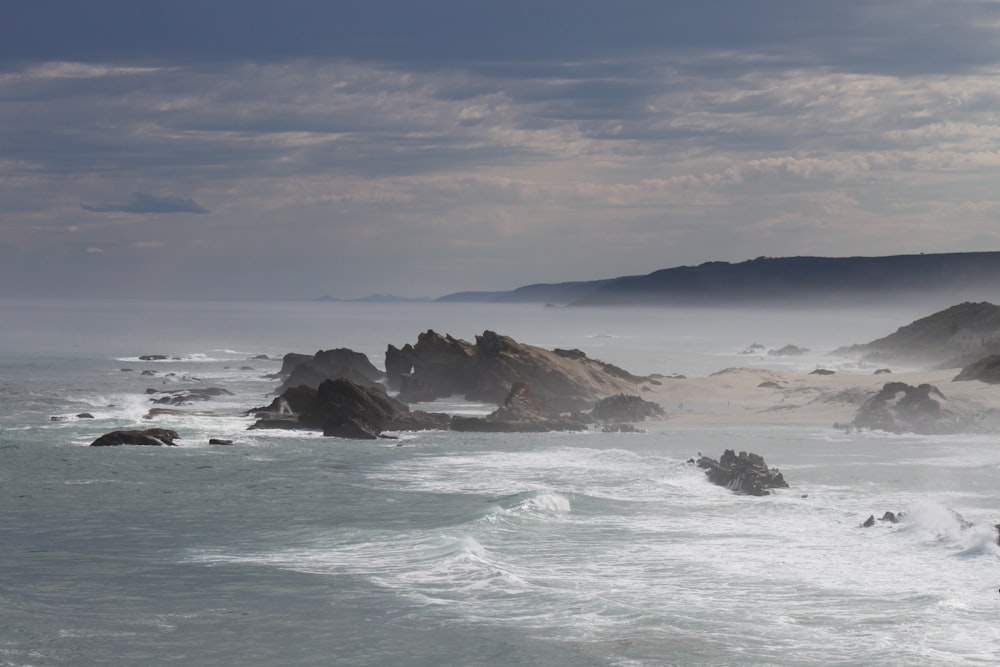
[250,149]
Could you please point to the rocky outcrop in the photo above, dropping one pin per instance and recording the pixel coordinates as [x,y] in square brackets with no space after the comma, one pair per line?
[521,412]
[985,370]
[439,366]
[299,369]
[154,437]
[903,408]
[746,474]
[888,517]
[345,409]
[625,408]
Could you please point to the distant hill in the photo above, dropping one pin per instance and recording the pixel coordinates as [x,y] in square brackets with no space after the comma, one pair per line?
[555,293]
[949,338]
[773,280]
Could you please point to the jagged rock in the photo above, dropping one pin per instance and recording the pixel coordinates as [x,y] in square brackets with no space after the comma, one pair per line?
[745,474]
[155,437]
[625,408]
[439,366]
[985,370]
[888,517]
[521,413]
[328,365]
[186,396]
[903,408]
[345,409]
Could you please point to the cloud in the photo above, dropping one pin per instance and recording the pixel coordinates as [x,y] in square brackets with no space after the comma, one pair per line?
[143,202]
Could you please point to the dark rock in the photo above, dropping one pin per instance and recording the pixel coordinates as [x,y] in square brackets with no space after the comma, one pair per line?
[985,370]
[822,371]
[521,413]
[345,409]
[261,357]
[155,437]
[85,415]
[290,423]
[330,365]
[769,384]
[745,474]
[903,408]
[441,366]
[351,429]
[153,357]
[883,371]
[869,522]
[57,419]
[625,408]
[126,370]
[219,441]
[148,373]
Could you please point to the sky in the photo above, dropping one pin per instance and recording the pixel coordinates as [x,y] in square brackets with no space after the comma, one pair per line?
[287,150]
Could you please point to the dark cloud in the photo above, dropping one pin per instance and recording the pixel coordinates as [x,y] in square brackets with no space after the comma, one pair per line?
[143,202]
[890,35]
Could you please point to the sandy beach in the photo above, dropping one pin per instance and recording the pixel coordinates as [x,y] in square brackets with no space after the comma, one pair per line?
[742,397]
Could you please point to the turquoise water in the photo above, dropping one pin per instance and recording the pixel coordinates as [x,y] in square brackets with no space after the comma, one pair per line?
[462,549]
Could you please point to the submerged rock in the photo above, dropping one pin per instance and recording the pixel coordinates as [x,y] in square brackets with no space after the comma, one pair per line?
[745,473]
[154,437]
[186,396]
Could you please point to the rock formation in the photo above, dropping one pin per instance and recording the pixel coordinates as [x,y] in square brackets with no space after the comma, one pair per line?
[625,408]
[985,370]
[440,366]
[521,412]
[300,369]
[903,408]
[155,437]
[345,409]
[746,474]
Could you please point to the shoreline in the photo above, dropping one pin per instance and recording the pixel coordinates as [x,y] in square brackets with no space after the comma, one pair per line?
[752,397]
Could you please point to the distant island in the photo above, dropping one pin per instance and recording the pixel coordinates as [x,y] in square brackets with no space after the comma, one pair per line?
[773,281]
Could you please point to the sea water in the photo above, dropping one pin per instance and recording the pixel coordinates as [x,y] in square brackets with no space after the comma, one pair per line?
[461,548]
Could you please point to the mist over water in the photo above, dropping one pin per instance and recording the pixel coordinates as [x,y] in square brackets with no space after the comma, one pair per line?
[467,549]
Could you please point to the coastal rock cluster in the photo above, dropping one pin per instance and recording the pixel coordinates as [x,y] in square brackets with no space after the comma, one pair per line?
[536,389]
[743,473]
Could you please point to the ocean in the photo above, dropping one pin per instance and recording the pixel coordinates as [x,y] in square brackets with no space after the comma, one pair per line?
[446,548]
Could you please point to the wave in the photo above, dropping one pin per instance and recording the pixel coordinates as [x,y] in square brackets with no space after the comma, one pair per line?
[935,523]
